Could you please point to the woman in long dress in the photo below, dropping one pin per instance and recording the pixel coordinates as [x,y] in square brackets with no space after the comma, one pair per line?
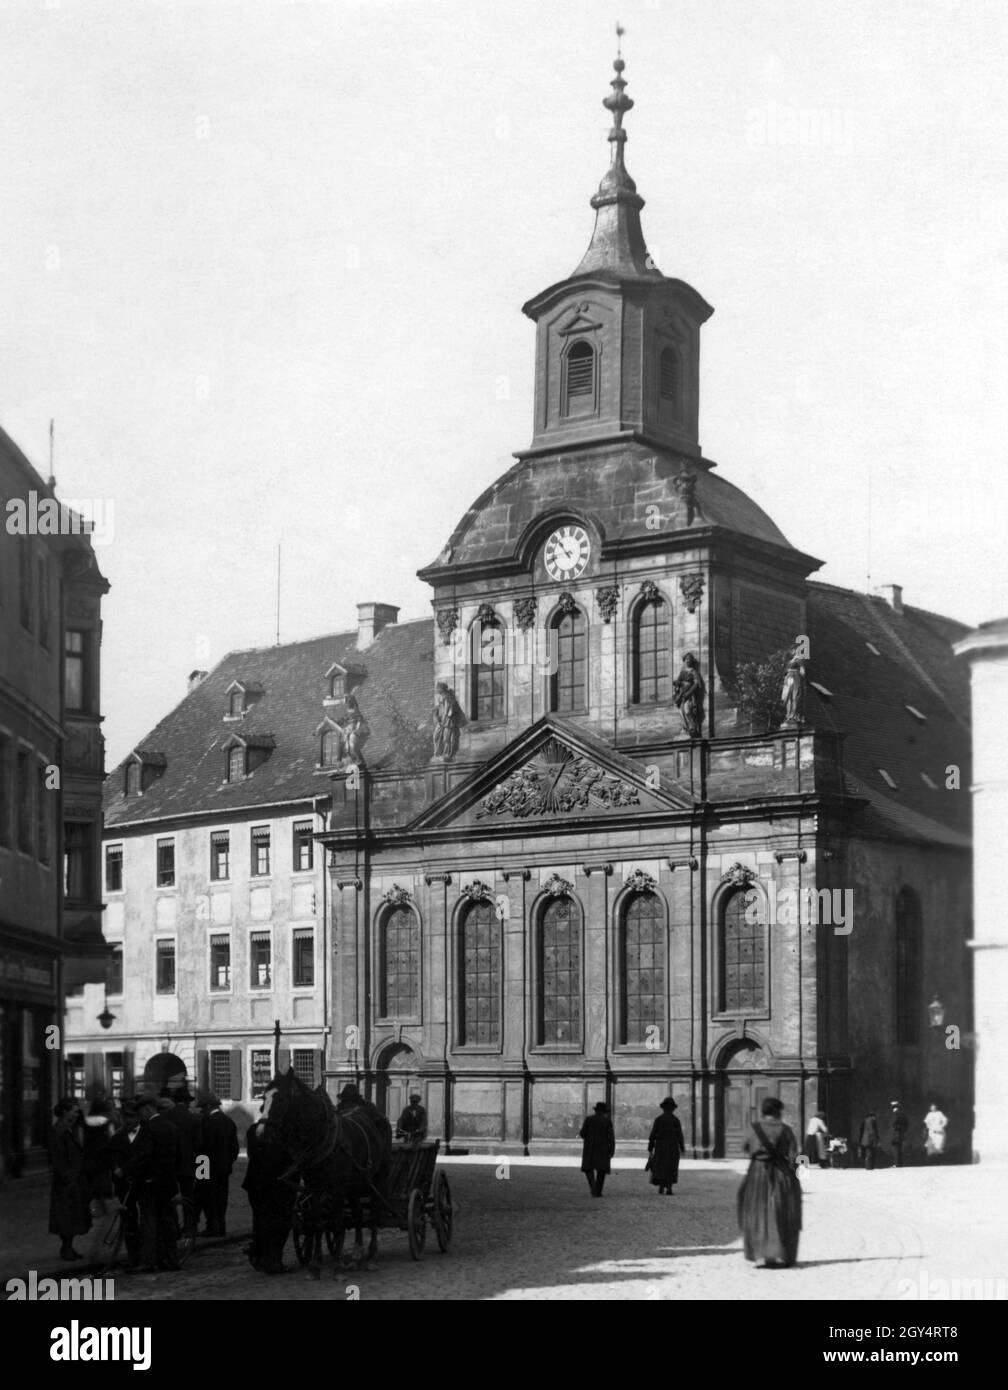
[69,1215]
[665,1144]
[769,1200]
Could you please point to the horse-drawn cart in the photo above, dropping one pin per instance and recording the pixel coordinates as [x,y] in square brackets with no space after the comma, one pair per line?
[417,1192]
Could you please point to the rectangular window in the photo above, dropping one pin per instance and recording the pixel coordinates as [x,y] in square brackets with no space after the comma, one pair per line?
[165,978]
[74,672]
[114,971]
[24,794]
[79,866]
[220,855]
[43,600]
[262,1070]
[166,863]
[236,763]
[260,850]
[43,815]
[134,778]
[25,576]
[113,868]
[260,954]
[115,1074]
[74,1075]
[220,961]
[220,1074]
[303,845]
[303,1063]
[304,959]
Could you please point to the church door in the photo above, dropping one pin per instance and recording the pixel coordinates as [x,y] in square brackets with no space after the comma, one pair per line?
[744,1086]
[396,1076]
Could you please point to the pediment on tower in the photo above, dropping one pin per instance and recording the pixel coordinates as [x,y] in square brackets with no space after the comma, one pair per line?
[579,319]
[553,773]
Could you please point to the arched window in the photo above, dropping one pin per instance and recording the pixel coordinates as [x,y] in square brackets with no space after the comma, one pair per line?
[669,376]
[479,977]
[579,393]
[909,995]
[332,747]
[236,763]
[399,964]
[558,974]
[569,683]
[488,689]
[652,643]
[742,955]
[642,970]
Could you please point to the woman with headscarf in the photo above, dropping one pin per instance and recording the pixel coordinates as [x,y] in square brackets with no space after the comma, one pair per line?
[665,1144]
[769,1200]
[816,1137]
[68,1202]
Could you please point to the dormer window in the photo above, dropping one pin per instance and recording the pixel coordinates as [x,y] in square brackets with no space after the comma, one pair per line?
[341,679]
[332,748]
[236,763]
[337,686]
[143,769]
[133,778]
[236,705]
[241,695]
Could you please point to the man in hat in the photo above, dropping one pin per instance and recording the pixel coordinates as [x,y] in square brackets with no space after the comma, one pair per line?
[665,1144]
[220,1149]
[899,1124]
[413,1120]
[190,1128]
[599,1147]
[869,1139]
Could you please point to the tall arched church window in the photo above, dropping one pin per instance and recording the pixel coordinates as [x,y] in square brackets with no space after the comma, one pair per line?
[909,994]
[558,973]
[642,970]
[569,682]
[488,676]
[399,964]
[652,651]
[743,957]
[479,976]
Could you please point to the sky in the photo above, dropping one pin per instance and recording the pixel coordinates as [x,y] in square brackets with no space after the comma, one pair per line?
[264,264]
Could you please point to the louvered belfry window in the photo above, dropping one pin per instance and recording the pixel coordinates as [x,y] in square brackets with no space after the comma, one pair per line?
[580,370]
[668,375]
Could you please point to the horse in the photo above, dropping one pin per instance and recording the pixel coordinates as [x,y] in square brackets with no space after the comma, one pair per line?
[343,1156]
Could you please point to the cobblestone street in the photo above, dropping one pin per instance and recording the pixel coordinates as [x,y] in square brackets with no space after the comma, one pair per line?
[537,1234]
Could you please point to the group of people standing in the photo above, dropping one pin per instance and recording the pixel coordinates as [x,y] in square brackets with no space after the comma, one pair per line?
[665,1144]
[141,1156]
[935,1130]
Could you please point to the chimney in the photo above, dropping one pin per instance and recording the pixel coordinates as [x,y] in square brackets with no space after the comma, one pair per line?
[195,678]
[893,595]
[371,618]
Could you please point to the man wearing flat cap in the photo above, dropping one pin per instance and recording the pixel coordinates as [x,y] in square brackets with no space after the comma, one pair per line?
[599,1146]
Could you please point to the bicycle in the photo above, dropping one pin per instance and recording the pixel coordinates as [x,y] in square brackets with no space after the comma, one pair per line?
[126,1221]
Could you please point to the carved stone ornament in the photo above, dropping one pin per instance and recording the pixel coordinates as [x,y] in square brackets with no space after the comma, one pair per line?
[557,887]
[525,611]
[691,587]
[478,891]
[566,603]
[554,782]
[640,882]
[447,621]
[650,591]
[738,875]
[685,485]
[397,897]
[608,601]
[485,613]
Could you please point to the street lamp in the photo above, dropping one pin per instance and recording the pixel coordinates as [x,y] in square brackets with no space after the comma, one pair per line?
[936,1012]
[106,1019]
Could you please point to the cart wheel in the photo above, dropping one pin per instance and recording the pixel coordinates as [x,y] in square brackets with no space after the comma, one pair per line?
[442,1211]
[416,1223]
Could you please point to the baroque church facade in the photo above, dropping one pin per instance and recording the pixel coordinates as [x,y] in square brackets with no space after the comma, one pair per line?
[605,882]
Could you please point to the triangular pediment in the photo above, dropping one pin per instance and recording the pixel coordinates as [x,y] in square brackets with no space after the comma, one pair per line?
[551,774]
[579,322]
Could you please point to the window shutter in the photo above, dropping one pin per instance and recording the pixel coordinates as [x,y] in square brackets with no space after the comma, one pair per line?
[128,1082]
[94,1073]
[202,1069]
[319,1065]
[284,1062]
[236,1073]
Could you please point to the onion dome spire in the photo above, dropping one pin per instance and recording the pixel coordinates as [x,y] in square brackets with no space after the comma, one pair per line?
[617,244]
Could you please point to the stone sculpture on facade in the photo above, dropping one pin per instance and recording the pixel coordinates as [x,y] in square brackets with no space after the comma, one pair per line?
[688,691]
[793,689]
[448,722]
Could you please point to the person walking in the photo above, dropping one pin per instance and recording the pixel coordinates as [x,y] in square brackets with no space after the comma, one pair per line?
[665,1144]
[220,1147]
[413,1120]
[769,1200]
[869,1140]
[935,1134]
[816,1139]
[69,1213]
[898,1126]
[599,1147]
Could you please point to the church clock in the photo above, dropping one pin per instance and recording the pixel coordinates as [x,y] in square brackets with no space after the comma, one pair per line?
[567,552]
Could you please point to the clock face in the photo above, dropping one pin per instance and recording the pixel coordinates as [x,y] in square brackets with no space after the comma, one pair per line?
[567,552]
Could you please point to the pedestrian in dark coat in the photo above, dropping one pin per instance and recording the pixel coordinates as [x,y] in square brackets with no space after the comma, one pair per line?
[160,1183]
[69,1213]
[899,1124]
[271,1200]
[869,1140]
[98,1130]
[220,1147]
[190,1127]
[665,1144]
[129,1156]
[599,1147]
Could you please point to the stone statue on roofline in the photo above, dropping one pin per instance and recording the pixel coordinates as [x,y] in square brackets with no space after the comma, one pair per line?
[448,722]
[688,691]
[793,689]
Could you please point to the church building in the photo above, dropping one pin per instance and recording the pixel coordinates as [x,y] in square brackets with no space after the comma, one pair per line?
[599,869]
